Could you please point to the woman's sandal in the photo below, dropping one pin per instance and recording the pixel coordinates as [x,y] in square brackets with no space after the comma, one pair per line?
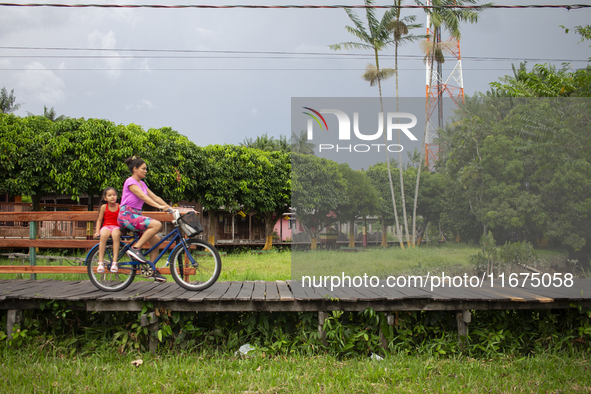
[114,268]
[100,268]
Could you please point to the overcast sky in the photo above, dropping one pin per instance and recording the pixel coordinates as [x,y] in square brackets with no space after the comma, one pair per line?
[209,75]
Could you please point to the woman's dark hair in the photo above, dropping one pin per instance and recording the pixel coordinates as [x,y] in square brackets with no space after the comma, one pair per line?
[105,192]
[133,162]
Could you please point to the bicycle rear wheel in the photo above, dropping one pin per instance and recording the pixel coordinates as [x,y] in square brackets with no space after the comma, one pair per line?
[202,271]
[107,280]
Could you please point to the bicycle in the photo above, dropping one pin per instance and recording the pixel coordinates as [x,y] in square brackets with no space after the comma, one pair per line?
[194,263]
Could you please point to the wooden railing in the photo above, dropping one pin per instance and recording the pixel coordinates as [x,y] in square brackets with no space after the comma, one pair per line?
[33,243]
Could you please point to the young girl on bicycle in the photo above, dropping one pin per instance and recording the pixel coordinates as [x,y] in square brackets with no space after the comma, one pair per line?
[135,193]
[107,223]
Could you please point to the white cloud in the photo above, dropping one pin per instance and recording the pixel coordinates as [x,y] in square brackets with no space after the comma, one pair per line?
[148,103]
[97,39]
[41,84]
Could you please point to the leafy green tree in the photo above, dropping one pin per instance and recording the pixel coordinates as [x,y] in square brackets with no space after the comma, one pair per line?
[361,195]
[543,81]
[299,143]
[317,191]
[520,166]
[450,19]
[268,188]
[266,143]
[28,157]
[50,114]
[583,31]
[374,38]
[8,101]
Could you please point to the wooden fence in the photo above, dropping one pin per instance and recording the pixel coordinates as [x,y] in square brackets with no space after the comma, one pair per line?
[33,242]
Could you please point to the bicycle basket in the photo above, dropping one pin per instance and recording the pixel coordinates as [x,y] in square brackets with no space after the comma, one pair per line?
[190,224]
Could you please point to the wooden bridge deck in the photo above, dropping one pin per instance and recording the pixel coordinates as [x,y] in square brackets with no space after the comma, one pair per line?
[291,296]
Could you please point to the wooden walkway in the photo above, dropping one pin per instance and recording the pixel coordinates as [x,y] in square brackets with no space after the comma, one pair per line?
[290,296]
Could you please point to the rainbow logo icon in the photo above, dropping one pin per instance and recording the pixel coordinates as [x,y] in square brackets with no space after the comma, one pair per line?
[315,118]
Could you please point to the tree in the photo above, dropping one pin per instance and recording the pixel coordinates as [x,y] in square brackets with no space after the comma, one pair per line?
[374,38]
[362,198]
[317,191]
[583,31]
[268,189]
[29,154]
[520,167]
[543,81]
[7,101]
[300,144]
[400,28]
[50,114]
[450,19]
[266,143]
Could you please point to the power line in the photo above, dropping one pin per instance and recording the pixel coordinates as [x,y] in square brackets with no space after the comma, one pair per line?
[567,7]
[227,69]
[263,55]
[337,6]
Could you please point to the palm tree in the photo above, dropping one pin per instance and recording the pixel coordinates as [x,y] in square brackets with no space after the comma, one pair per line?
[374,38]
[7,101]
[266,143]
[400,31]
[450,19]
[300,144]
[50,114]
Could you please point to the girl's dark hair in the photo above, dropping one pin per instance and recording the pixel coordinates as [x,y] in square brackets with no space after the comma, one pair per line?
[105,192]
[133,162]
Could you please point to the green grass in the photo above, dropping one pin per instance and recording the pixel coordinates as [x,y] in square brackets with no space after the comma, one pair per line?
[451,258]
[45,371]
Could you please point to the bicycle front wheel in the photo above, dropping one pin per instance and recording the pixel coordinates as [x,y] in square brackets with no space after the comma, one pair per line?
[107,280]
[197,270]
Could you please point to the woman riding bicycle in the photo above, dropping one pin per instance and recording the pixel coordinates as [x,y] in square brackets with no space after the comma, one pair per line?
[135,194]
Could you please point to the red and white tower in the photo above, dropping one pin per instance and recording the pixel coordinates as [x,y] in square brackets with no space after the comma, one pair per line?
[437,88]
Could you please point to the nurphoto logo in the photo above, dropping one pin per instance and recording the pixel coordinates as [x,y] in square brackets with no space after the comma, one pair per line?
[402,121]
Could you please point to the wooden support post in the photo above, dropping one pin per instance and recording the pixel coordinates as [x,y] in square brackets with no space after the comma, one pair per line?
[33,250]
[151,321]
[383,341]
[463,318]
[14,319]
[321,317]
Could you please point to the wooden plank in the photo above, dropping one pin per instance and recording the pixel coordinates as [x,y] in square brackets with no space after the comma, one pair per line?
[161,289]
[220,288]
[246,291]
[368,295]
[258,293]
[352,293]
[199,296]
[176,294]
[302,294]
[69,216]
[55,243]
[556,293]
[328,295]
[497,294]
[529,294]
[232,291]
[31,289]
[133,292]
[284,291]
[388,293]
[271,292]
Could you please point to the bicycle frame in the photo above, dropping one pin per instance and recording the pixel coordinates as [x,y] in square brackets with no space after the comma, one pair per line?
[176,236]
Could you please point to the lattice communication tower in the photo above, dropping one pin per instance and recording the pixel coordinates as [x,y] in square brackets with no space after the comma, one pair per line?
[453,86]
